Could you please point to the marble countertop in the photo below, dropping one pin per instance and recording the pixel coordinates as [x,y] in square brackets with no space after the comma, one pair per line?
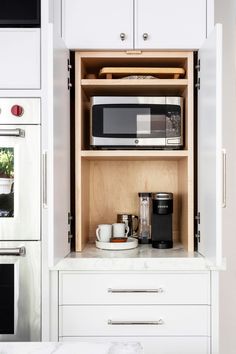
[142,258]
[70,348]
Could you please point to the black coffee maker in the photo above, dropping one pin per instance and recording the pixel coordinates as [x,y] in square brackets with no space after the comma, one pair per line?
[162,210]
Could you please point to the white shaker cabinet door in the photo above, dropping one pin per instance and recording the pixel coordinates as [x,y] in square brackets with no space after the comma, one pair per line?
[58,157]
[170,24]
[102,24]
[20,58]
[210,167]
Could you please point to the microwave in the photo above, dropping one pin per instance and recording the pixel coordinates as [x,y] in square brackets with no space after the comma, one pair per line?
[136,122]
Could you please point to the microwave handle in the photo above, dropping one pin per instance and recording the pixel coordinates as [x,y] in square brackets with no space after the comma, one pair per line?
[12,132]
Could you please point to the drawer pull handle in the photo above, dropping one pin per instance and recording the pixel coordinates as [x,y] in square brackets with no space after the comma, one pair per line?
[133,291]
[136,323]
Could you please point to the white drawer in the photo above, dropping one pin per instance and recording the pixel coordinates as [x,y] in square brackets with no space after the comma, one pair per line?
[161,288]
[171,320]
[152,345]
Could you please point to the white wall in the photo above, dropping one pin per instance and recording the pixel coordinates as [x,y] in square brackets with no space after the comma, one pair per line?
[225,13]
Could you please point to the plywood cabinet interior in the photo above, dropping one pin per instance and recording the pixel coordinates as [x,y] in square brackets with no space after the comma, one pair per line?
[108,181]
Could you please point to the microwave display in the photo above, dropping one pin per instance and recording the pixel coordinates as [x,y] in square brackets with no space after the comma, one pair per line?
[142,123]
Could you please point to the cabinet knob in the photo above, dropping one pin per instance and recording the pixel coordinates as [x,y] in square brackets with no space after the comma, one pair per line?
[145,36]
[122,36]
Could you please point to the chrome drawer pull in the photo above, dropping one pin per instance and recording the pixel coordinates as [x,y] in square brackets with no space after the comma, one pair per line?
[136,323]
[12,132]
[135,291]
[21,251]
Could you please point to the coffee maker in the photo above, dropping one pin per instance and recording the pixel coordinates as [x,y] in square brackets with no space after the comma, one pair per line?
[162,210]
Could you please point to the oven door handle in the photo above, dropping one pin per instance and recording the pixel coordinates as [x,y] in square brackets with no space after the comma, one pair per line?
[19,251]
[12,132]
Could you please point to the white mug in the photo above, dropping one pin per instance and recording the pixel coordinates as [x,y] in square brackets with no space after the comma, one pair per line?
[120,230]
[103,232]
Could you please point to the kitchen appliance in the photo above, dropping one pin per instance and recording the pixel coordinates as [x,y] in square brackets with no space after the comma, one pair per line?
[19,169]
[144,233]
[20,282]
[20,245]
[131,221]
[20,13]
[136,122]
[162,209]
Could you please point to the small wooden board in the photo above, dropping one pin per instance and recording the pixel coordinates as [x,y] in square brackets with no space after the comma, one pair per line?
[160,73]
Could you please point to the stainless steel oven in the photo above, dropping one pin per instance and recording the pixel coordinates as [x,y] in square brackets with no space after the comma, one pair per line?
[20,283]
[19,169]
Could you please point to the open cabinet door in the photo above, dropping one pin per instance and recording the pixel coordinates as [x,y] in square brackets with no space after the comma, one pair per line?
[210,147]
[59,148]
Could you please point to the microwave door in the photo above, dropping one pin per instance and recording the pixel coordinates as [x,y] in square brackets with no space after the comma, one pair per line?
[20,291]
[19,182]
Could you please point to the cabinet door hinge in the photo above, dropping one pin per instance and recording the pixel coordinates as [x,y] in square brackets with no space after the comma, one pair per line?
[197,217]
[70,236]
[69,66]
[69,84]
[197,85]
[198,66]
[70,218]
[198,236]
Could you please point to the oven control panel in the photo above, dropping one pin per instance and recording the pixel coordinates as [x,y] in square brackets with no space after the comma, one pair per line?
[20,111]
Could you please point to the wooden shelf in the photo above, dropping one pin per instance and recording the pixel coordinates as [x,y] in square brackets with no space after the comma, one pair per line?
[170,155]
[125,86]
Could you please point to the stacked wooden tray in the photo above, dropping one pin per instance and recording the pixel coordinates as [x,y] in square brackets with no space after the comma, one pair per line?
[141,72]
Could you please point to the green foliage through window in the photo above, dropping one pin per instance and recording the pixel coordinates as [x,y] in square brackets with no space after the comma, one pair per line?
[6,162]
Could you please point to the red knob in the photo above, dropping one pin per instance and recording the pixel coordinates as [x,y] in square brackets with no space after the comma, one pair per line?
[17,110]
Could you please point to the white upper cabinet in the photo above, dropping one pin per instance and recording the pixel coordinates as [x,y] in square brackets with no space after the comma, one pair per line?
[58,160]
[20,58]
[94,24]
[134,24]
[170,24]
[210,166]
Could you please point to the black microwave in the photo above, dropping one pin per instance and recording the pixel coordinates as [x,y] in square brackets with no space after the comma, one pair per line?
[20,13]
[136,122]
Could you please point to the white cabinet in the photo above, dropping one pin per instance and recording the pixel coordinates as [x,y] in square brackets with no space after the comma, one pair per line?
[138,24]
[130,320]
[164,288]
[102,24]
[152,345]
[20,58]
[57,196]
[88,311]
[170,24]
[211,195]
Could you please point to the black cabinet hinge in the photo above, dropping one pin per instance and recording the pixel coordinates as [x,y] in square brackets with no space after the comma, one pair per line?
[198,84]
[197,217]
[198,236]
[70,218]
[198,66]
[69,66]
[69,84]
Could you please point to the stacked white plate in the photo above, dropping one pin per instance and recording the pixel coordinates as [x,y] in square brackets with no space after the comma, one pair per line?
[113,246]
